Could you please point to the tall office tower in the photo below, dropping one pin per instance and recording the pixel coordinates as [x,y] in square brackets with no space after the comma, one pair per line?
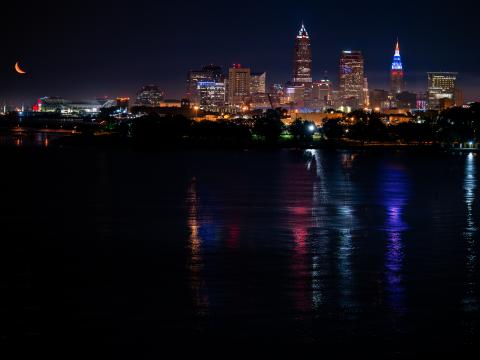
[259,99]
[238,85]
[366,96]
[193,77]
[209,72]
[150,96]
[352,78]
[459,99]
[441,89]
[397,83]
[302,59]
[258,83]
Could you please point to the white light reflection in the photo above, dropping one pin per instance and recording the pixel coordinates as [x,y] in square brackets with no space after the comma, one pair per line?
[470,302]
[344,255]
[342,225]
[346,226]
[319,214]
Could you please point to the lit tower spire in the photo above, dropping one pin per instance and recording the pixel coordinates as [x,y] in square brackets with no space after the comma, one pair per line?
[397,74]
[303,32]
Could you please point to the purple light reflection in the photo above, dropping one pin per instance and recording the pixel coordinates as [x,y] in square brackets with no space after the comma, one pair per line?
[394,198]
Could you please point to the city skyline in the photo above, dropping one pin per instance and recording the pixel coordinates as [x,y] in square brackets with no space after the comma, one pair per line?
[131,64]
[257,174]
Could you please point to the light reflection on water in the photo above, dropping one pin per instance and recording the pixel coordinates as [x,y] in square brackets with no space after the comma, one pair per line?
[25,137]
[341,231]
[395,192]
[344,256]
[195,260]
[333,247]
[346,213]
[319,213]
[471,301]
[300,217]
[332,209]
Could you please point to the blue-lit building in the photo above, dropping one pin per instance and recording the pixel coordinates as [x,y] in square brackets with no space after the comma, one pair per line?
[211,94]
[397,75]
[211,72]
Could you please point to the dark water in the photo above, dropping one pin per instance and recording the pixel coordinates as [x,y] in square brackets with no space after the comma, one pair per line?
[125,254]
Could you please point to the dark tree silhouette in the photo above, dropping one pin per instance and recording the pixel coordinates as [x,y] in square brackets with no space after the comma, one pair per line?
[270,126]
[154,129]
[225,132]
[333,129]
[302,130]
[368,127]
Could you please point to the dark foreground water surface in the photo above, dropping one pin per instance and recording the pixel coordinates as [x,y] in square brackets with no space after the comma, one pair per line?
[128,254]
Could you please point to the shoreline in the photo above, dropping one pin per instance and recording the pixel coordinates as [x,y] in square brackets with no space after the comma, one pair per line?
[115,141]
[71,138]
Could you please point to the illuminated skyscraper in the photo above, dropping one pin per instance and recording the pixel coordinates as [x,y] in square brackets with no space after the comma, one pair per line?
[397,83]
[258,83]
[459,100]
[212,95]
[238,85]
[207,73]
[258,91]
[352,78]
[302,59]
[441,89]
[366,96]
[150,96]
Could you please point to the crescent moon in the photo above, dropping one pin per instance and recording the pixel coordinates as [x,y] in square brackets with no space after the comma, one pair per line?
[18,69]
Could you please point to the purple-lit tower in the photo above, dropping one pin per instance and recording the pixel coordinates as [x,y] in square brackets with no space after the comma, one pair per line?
[397,74]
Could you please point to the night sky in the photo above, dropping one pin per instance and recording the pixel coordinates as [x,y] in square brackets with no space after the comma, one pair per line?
[85,50]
